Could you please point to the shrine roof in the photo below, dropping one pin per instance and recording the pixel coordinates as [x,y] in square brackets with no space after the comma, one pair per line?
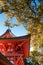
[5,60]
[7,34]
[21,37]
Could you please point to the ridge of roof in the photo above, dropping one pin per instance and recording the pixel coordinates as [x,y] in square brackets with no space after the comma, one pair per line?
[5,59]
[8,30]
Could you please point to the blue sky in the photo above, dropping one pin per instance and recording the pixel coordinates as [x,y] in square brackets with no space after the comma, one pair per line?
[17,31]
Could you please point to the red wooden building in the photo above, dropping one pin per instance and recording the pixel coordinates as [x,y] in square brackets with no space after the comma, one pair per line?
[15,49]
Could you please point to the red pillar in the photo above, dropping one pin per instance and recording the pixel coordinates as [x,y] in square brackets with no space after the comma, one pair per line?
[26,48]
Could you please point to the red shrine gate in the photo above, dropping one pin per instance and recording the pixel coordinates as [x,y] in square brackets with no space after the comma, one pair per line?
[15,48]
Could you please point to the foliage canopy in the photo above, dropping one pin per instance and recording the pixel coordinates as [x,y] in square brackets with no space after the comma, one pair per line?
[29,13]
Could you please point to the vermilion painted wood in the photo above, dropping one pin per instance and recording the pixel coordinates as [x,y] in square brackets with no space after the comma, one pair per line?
[15,47]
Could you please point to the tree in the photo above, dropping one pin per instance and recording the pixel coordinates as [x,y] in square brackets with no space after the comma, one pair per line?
[29,14]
